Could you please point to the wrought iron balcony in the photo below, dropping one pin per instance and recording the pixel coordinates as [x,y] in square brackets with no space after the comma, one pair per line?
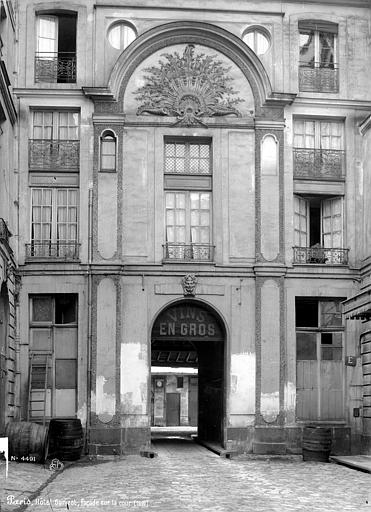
[320,255]
[192,252]
[67,251]
[5,234]
[59,67]
[54,155]
[318,78]
[319,164]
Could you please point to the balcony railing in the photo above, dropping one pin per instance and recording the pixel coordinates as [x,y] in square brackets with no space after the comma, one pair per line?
[54,155]
[318,78]
[320,255]
[68,251]
[5,234]
[55,67]
[319,164]
[193,252]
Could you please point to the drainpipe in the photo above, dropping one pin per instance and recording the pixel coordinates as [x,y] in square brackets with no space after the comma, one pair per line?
[90,336]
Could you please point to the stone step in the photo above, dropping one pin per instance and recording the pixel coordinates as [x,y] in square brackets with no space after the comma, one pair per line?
[261,448]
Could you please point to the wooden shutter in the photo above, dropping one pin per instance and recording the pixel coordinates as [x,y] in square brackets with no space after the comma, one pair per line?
[332,222]
[301,219]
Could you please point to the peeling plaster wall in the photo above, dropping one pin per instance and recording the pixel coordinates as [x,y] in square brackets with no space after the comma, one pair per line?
[105,398]
[134,371]
[270,350]
[242,391]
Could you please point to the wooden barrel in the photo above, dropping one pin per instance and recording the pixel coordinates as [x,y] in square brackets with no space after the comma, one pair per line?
[28,442]
[316,443]
[66,438]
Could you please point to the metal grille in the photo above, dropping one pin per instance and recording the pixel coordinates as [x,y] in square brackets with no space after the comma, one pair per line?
[318,79]
[187,158]
[320,255]
[55,67]
[319,163]
[58,250]
[48,154]
[193,252]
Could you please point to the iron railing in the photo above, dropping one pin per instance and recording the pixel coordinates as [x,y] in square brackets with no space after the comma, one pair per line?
[319,164]
[318,79]
[57,67]
[50,155]
[5,234]
[320,255]
[192,252]
[53,250]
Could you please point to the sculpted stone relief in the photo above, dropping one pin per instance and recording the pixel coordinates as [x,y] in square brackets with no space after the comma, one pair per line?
[189,87]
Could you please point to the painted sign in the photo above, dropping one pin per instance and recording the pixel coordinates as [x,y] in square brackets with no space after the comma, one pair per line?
[187,321]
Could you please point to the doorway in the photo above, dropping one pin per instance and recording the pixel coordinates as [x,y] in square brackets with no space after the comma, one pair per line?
[187,370]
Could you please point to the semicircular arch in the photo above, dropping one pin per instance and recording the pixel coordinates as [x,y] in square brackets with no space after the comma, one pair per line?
[191,32]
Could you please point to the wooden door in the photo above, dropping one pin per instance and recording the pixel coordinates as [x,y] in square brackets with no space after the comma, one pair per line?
[193,402]
[172,409]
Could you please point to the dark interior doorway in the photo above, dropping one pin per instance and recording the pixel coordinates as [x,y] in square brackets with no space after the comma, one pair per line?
[189,335]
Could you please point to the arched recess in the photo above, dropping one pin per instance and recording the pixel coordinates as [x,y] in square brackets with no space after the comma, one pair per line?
[192,326]
[191,32]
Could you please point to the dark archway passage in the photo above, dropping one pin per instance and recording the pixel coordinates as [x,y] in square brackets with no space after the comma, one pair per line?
[190,335]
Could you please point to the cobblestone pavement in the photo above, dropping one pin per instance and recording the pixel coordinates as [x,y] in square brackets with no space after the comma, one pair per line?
[188,478]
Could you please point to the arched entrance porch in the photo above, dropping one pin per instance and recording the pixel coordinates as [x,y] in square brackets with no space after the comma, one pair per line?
[189,334]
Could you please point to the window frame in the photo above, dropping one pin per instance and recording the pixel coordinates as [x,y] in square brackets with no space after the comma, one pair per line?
[52,328]
[187,183]
[317,29]
[317,335]
[102,139]
[54,239]
[256,31]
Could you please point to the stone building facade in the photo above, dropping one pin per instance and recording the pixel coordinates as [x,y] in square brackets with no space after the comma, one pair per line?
[189,184]
[9,383]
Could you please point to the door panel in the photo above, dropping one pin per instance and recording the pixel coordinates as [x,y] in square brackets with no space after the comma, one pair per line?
[172,409]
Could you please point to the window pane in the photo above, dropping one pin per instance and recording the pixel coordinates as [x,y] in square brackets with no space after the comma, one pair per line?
[330,313]
[306,312]
[187,157]
[42,309]
[326,42]
[307,56]
[306,346]
[65,308]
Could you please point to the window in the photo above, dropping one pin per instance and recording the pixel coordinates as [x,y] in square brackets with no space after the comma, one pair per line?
[318,69]
[53,333]
[319,149]
[54,223]
[319,359]
[108,152]
[55,59]
[318,230]
[188,200]
[257,40]
[120,35]
[55,144]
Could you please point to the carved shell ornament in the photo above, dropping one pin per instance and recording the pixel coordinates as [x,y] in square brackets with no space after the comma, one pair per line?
[188,87]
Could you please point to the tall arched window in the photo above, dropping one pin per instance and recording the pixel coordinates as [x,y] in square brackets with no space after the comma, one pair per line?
[108,146]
